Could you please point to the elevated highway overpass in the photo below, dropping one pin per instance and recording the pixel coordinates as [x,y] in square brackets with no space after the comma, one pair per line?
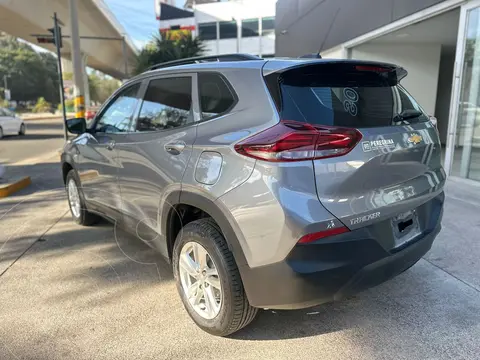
[22,18]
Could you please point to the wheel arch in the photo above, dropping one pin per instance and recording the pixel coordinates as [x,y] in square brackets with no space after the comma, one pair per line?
[211,208]
[66,167]
[67,164]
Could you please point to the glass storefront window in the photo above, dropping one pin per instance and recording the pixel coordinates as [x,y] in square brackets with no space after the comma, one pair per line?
[268,26]
[228,29]
[466,157]
[249,27]
[207,31]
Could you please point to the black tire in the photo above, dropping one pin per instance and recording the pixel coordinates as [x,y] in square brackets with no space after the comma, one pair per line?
[1,133]
[22,130]
[235,311]
[85,218]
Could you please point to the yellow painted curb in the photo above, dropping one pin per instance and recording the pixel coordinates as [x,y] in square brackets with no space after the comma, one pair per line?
[14,186]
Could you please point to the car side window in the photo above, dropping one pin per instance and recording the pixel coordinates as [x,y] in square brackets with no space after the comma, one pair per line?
[215,96]
[167,104]
[118,114]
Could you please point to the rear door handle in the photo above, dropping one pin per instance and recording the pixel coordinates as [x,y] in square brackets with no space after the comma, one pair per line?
[111,145]
[175,148]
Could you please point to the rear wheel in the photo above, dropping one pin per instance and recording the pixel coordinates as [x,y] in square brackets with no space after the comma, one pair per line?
[208,279]
[1,133]
[76,201]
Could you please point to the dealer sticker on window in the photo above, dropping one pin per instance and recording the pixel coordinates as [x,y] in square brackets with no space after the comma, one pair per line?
[378,144]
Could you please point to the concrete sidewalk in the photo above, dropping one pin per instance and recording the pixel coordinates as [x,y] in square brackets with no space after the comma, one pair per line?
[28,214]
[98,293]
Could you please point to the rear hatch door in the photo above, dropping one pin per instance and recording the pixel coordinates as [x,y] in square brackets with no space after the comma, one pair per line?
[395,167]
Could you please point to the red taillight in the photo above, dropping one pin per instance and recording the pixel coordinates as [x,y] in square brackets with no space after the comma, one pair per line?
[294,141]
[322,234]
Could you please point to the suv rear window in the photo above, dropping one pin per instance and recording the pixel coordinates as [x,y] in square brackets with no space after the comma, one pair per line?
[346,98]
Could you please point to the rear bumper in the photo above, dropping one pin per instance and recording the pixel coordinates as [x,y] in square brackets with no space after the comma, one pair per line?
[336,267]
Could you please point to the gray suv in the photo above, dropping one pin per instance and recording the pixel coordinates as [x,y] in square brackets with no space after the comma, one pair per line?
[280,183]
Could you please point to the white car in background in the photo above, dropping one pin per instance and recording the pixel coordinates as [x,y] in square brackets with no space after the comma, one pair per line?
[10,124]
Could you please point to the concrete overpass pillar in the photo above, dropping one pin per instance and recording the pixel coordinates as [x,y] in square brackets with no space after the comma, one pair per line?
[85,80]
[67,66]
[78,68]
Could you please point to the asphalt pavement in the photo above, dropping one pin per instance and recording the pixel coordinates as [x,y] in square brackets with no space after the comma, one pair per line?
[43,137]
[72,292]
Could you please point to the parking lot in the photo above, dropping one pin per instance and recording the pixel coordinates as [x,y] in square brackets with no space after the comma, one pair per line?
[69,292]
[43,136]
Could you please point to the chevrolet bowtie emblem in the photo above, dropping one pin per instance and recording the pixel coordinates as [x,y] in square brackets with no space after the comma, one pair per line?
[415,139]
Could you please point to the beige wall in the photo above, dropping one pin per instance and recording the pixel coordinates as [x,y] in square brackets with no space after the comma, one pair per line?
[335,53]
[420,60]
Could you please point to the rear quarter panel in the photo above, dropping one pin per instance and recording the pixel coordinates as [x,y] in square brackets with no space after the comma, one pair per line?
[253,112]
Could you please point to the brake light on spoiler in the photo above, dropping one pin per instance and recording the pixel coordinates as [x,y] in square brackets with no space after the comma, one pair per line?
[296,141]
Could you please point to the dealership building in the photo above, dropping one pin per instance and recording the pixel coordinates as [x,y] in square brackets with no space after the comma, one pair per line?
[226,27]
[438,42]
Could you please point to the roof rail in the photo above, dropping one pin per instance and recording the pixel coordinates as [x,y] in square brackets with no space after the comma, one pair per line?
[202,59]
[311,56]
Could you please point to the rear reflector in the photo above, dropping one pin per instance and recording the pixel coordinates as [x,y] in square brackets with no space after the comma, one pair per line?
[322,234]
[295,141]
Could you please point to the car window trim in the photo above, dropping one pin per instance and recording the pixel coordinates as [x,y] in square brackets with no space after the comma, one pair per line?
[194,106]
[230,88]
[109,102]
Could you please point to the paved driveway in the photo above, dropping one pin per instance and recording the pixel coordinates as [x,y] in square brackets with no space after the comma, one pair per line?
[97,293]
[43,136]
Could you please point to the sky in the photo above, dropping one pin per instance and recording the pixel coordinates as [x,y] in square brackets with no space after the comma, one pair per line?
[137,17]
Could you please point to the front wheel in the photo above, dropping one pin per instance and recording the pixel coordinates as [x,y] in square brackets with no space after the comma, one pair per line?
[76,201]
[1,133]
[208,279]
[22,130]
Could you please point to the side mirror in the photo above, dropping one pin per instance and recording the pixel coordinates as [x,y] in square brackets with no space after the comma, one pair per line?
[77,125]
[434,120]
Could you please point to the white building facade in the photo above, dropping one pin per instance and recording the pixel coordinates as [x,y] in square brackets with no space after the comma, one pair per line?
[237,27]
[243,26]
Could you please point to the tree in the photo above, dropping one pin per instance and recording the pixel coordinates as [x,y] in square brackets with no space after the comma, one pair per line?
[30,75]
[169,48]
[52,88]
[101,86]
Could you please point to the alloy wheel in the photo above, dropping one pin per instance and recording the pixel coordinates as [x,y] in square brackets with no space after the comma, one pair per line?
[200,280]
[74,198]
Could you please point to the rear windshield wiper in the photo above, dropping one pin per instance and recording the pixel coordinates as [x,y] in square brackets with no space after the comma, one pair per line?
[407,115]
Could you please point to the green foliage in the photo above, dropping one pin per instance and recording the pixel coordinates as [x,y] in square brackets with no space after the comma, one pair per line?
[42,106]
[67,75]
[69,105]
[4,103]
[30,74]
[101,86]
[161,50]
[470,50]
